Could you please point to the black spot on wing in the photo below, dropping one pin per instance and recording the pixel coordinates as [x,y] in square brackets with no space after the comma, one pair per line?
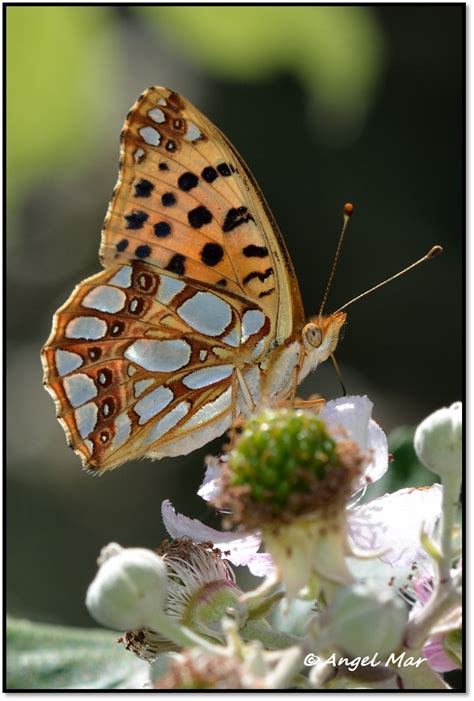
[256,275]
[143,188]
[122,245]
[236,217]
[199,216]
[176,264]
[187,181]
[168,199]
[135,220]
[162,229]
[142,251]
[212,254]
[209,174]
[253,251]
[224,169]
[266,292]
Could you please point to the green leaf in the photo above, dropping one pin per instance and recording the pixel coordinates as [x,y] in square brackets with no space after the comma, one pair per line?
[41,656]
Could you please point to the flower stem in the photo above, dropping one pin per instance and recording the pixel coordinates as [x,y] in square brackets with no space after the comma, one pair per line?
[451,489]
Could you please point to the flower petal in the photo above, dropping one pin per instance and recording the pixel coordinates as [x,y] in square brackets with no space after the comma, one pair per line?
[237,548]
[354,414]
[261,565]
[211,485]
[394,522]
[437,658]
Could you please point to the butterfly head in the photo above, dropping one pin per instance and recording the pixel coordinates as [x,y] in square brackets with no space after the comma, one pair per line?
[320,336]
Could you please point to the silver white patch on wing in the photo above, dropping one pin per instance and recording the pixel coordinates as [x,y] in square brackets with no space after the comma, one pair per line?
[159,356]
[232,338]
[207,376]
[206,313]
[105,299]
[157,115]
[168,422]
[153,403]
[150,136]
[122,278]
[123,428]
[257,351]
[79,389]
[252,322]
[141,385]
[138,155]
[66,362]
[86,419]
[88,327]
[161,101]
[169,287]
[210,410]
[202,355]
[252,379]
[193,133]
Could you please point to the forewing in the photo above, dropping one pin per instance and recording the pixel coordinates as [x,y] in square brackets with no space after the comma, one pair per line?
[186,202]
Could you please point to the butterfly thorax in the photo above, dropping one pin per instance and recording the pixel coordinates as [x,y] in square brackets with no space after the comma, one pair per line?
[291,362]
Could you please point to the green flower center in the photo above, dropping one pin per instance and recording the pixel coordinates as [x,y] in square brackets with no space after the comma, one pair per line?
[280,453]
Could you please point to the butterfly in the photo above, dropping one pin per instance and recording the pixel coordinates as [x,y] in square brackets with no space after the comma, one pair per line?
[197,316]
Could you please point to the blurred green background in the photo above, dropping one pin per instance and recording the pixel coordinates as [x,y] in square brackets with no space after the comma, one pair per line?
[326,104]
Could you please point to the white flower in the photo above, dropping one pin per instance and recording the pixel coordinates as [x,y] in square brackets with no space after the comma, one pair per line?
[391,523]
[351,413]
[394,522]
[238,548]
[354,414]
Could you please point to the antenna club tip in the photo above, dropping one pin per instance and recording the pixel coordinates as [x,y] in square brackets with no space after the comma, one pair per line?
[348,209]
[435,251]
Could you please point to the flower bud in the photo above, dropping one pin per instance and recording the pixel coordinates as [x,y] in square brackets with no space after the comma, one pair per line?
[438,441]
[130,585]
[365,621]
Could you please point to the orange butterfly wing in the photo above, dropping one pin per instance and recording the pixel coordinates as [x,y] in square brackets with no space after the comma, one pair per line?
[186,202]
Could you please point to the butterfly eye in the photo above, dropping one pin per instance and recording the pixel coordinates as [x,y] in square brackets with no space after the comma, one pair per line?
[313,335]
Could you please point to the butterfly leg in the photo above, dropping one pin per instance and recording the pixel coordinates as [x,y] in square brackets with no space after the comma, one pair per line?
[245,391]
[233,418]
[238,383]
[313,403]
[296,372]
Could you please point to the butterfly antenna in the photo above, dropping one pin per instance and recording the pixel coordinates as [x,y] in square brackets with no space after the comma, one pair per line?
[432,253]
[347,213]
[338,373]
